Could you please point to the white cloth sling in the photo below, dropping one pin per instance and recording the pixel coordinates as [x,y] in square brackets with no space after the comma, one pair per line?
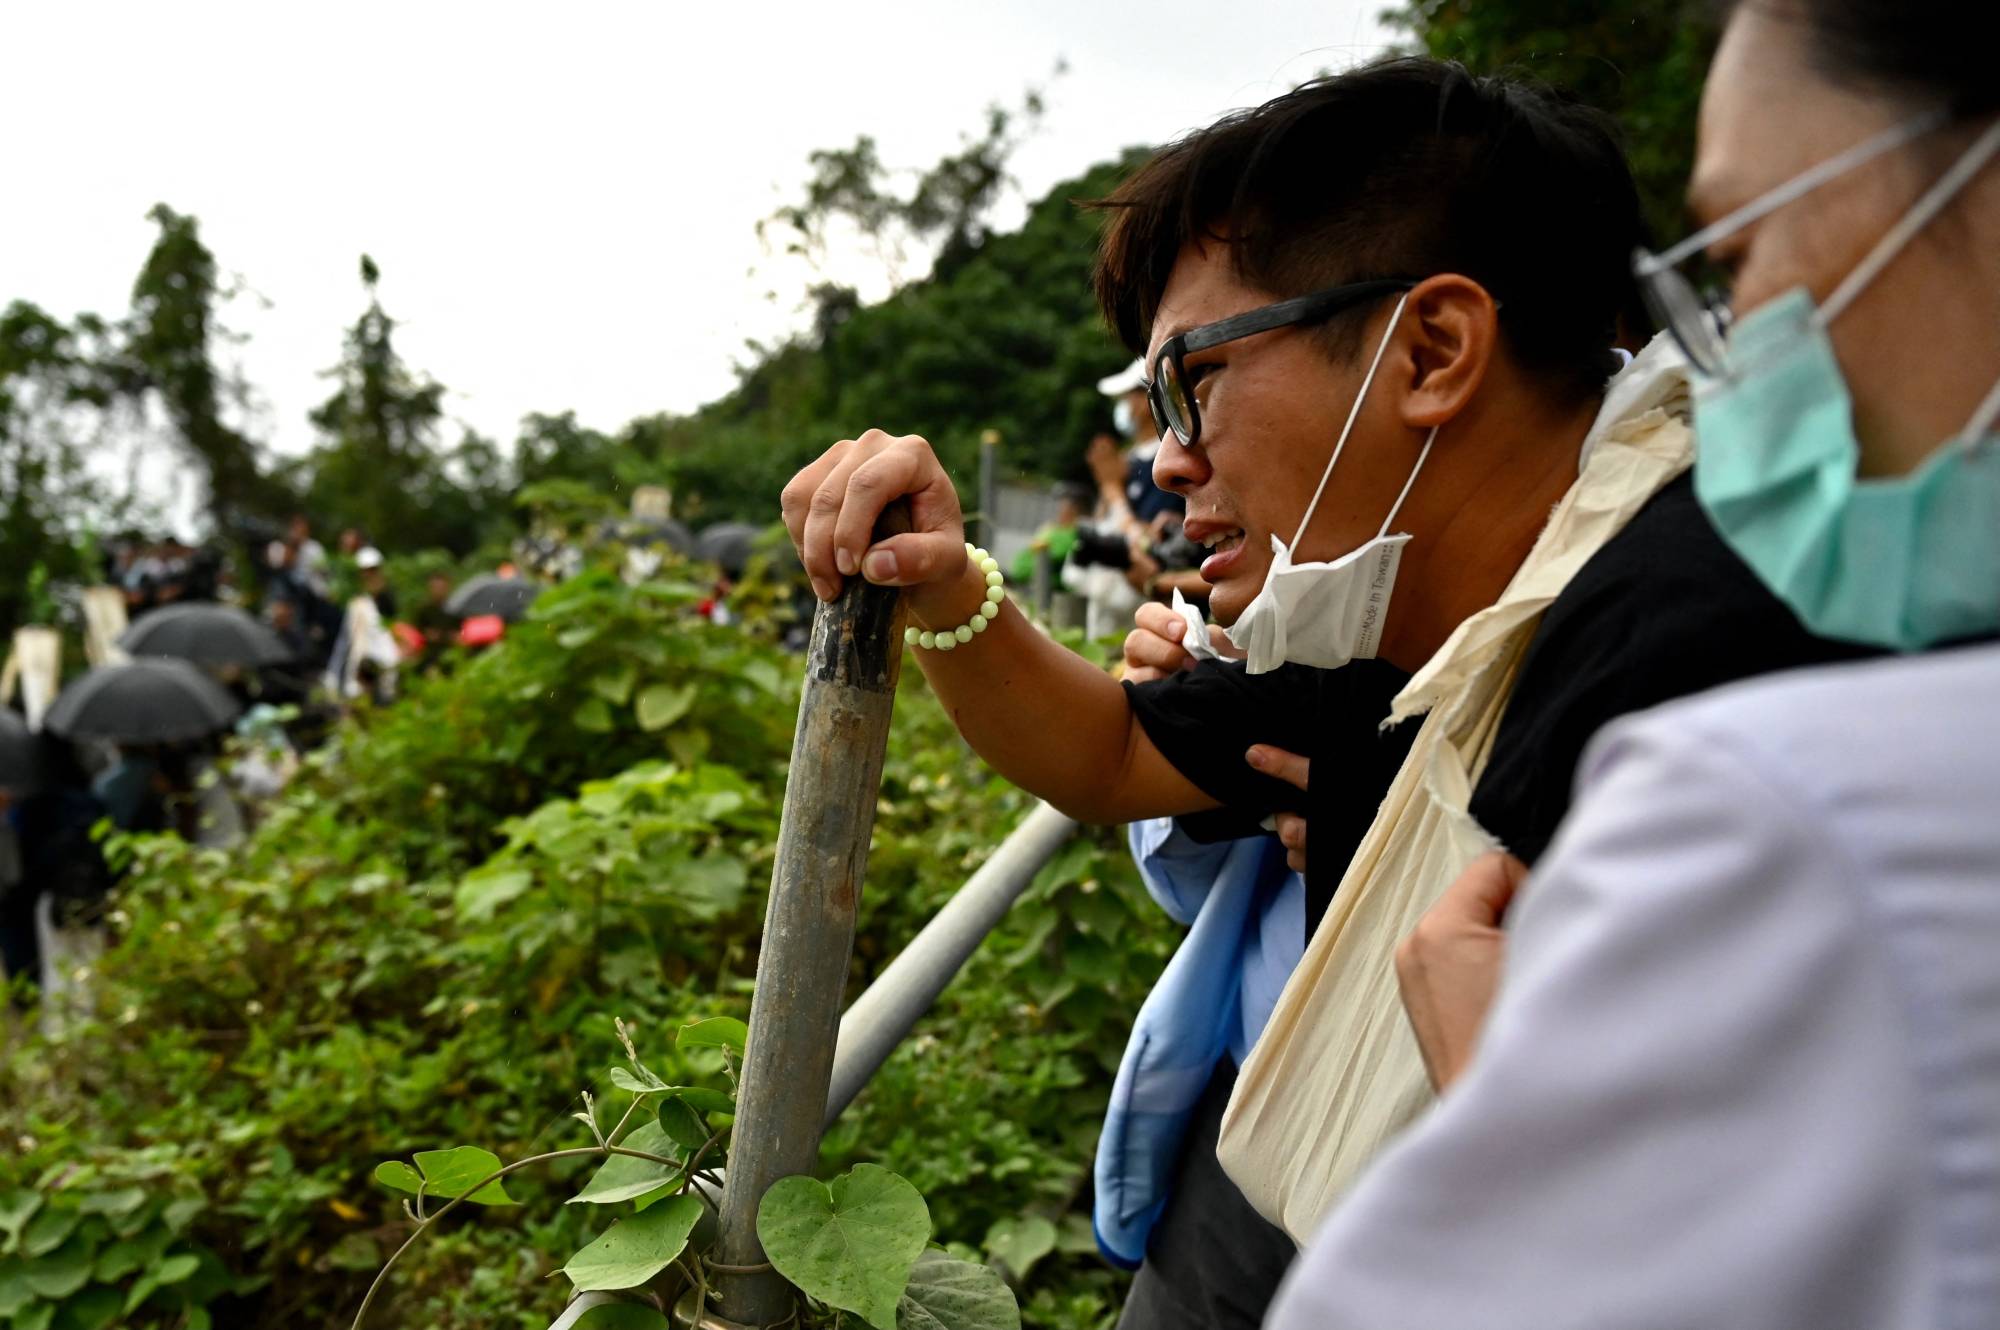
[1337,1072]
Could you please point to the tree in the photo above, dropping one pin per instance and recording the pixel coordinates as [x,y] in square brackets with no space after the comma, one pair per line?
[1641,60]
[52,400]
[169,353]
[380,467]
[1003,334]
[944,215]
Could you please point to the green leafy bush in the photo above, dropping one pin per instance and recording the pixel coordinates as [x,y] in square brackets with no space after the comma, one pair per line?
[424,942]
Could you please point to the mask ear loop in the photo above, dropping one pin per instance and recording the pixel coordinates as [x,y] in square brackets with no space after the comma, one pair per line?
[1984,416]
[1409,484]
[1353,414]
[1927,207]
[1921,214]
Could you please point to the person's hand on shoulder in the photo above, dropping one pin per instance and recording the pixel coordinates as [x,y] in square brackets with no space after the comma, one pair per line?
[831,508]
[1448,968]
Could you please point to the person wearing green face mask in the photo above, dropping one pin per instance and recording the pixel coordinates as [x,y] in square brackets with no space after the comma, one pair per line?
[1730,1054]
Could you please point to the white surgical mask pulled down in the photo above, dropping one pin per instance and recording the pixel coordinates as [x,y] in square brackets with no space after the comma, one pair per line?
[1326,614]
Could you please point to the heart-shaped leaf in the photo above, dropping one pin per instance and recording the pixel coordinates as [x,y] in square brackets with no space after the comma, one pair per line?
[661,704]
[486,889]
[684,1125]
[633,1250]
[950,1294]
[451,1172]
[1019,1241]
[615,684]
[446,1173]
[623,1178]
[48,1229]
[16,1209]
[716,1032]
[62,1271]
[851,1244]
[176,1268]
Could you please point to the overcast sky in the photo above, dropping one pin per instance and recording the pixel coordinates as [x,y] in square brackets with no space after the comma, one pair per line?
[561,197]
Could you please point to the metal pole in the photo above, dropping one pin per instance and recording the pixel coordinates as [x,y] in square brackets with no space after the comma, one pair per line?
[1043,585]
[882,1017]
[989,487]
[822,858]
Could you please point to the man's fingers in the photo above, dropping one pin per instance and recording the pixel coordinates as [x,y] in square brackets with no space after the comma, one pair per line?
[799,491]
[915,557]
[1274,761]
[1160,620]
[1144,650]
[892,469]
[1218,637]
[823,511]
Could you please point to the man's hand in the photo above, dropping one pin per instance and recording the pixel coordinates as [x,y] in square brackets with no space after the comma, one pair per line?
[1153,648]
[1449,966]
[1293,770]
[831,508]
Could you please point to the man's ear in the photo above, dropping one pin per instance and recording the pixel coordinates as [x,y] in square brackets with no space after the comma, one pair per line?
[1451,334]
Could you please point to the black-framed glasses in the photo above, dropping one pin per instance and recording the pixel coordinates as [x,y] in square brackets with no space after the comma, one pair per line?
[1170,393]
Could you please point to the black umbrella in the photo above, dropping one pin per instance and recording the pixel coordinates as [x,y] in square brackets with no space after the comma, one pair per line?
[206,633]
[508,597]
[729,544]
[662,531]
[20,756]
[666,531]
[154,699]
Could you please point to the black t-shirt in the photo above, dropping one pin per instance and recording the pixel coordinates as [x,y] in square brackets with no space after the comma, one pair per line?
[1664,610]
[1203,720]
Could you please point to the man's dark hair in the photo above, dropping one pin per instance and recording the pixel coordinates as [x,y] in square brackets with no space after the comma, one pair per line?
[1403,168]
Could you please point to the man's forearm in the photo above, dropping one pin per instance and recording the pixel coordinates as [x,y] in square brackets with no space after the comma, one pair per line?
[1045,718]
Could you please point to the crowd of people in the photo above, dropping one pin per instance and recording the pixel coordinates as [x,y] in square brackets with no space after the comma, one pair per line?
[1582,804]
[336,635]
[339,636]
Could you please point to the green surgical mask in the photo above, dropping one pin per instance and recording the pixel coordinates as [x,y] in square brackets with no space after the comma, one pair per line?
[1905,562]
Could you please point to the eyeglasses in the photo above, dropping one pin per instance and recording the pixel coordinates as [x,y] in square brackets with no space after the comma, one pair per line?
[1699,320]
[1170,393]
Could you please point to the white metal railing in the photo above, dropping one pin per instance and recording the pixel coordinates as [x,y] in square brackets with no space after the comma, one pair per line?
[883,1016]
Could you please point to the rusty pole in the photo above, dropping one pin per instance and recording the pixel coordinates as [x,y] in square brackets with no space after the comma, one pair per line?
[829,814]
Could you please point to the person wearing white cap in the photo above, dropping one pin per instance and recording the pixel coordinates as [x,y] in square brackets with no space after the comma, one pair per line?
[1141,551]
[374,582]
